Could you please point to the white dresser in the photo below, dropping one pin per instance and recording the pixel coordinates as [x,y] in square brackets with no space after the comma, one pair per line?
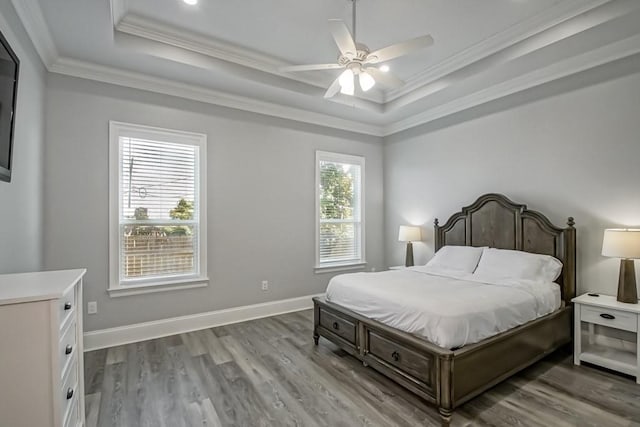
[41,365]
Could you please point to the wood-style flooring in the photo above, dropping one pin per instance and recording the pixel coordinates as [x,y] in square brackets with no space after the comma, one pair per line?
[267,372]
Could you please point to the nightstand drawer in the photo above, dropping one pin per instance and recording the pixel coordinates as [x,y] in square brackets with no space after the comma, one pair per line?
[609,317]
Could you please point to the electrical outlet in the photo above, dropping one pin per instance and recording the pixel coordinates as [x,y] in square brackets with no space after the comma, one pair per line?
[373,269]
[92,307]
[265,285]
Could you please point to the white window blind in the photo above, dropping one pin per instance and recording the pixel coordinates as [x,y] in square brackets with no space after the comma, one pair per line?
[340,183]
[159,209]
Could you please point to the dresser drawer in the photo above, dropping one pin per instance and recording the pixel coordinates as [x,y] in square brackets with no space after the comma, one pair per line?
[338,324]
[67,348]
[71,417]
[609,317]
[68,392]
[402,357]
[67,307]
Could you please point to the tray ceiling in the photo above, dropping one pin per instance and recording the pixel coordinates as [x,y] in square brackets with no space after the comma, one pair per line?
[230,52]
[297,31]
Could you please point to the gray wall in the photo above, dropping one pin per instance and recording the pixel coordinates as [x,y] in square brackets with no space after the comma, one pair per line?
[21,200]
[574,153]
[260,198]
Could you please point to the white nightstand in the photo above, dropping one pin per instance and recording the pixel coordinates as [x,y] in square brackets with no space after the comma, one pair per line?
[609,313]
[397,267]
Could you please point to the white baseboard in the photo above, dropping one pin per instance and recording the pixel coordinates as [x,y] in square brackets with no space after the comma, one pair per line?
[102,338]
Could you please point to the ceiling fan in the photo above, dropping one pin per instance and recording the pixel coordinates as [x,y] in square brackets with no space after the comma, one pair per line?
[359,61]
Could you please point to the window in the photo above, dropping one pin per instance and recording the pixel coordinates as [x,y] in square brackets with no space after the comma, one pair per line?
[157,215]
[339,210]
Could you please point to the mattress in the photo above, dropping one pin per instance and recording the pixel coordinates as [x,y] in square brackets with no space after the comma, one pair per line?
[449,309]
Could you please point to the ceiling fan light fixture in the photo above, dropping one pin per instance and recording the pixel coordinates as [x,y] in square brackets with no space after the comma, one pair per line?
[191,2]
[346,82]
[346,78]
[359,61]
[366,81]
[348,90]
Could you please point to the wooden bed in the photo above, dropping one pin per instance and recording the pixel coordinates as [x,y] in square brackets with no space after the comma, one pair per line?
[448,378]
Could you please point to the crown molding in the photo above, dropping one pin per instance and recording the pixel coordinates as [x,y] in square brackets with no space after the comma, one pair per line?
[568,28]
[33,21]
[217,66]
[36,26]
[612,52]
[567,67]
[142,27]
[118,10]
[149,29]
[145,28]
[553,16]
[90,71]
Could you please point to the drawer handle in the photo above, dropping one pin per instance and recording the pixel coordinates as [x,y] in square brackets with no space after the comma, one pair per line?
[68,349]
[69,393]
[607,316]
[395,356]
[336,326]
[67,305]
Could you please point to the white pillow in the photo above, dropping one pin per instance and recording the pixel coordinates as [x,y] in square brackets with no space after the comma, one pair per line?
[504,263]
[457,258]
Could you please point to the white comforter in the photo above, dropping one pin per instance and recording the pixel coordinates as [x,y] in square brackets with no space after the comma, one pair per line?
[448,309]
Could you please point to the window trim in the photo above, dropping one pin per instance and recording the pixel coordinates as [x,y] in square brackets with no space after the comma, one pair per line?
[200,279]
[355,264]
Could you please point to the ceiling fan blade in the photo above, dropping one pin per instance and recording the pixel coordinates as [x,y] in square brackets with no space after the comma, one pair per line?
[385,79]
[333,89]
[311,67]
[399,49]
[342,36]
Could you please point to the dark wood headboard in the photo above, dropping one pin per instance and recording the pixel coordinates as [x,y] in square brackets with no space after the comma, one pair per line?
[495,221]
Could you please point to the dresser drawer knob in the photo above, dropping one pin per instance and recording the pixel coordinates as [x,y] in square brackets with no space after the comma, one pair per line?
[69,393]
[607,316]
[68,349]
[336,326]
[395,356]
[67,305]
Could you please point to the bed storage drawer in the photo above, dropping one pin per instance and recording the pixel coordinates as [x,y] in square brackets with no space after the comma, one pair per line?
[338,324]
[412,362]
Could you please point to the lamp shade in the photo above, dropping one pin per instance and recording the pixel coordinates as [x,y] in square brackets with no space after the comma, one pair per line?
[621,243]
[409,233]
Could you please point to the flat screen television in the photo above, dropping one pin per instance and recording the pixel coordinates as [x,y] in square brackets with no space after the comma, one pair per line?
[9,67]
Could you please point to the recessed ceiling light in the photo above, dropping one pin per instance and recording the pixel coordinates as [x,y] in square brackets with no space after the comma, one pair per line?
[384,68]
[191,2]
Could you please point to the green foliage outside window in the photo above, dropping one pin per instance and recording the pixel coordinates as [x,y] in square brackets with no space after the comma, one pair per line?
[182,211]
[336,196]
[336,203]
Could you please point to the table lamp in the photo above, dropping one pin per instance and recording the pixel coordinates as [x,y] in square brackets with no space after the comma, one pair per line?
[624,244]
[409,233]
